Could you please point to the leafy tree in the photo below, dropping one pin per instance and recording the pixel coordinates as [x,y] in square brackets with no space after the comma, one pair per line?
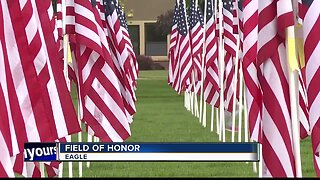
[164,21]
[54,4]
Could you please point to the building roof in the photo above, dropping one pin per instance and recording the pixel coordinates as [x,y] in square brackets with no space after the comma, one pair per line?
[147,10]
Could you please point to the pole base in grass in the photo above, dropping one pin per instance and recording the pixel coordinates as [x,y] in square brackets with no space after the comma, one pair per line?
[230,129]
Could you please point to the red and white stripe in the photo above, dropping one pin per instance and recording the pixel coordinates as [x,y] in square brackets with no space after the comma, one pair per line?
[277,148]
[128,95]
[229,79]
[230,41]
[184,63]
[6,167]
[231,49]
[121,51]
[196,36]
[311,22]
[70,18]
[252,90]
[211,81]
[125,81]
[103,108]
[172,53]
[130,65]
[236,18]
[303,113]
[36,118]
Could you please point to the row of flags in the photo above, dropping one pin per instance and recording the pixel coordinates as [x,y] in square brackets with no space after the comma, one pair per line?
[255,32]
[35,101]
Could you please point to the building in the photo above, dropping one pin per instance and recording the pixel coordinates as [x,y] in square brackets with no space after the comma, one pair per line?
[142,16]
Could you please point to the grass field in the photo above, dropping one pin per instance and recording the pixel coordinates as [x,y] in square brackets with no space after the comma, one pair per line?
[162,117]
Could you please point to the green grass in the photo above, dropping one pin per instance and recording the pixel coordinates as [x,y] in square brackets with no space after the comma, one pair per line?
[162,117]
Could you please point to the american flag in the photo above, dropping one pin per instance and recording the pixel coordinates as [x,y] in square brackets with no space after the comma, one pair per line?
[238,20]
[195,19]
[237,17]
[231,49]
[182,79]
[252,90]
[131,65]
[6,167]
[229,79]
[172,54]
[125,81]
[70,21]
[277,147]
[229,37]
[69,29]
[122,52]
[309,12]
[303,113]
[211,80]
[102,103]
[37,92]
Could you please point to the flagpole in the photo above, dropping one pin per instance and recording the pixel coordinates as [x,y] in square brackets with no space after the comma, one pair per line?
[196,110]
[212,117]
[293,85]
[246,130]
[254,164]
[204,116]
[202,100]
[188,102]
[260,160]
[195,92]
[185,100]
[217,121]
[203,74]
[240,102]
[245,109]
[217,109]
[192,73]
[65,71]
[235,90]
[191,95]
[41,164]
[221,64]
[293,88]
[79,138]
[237,61]
[89,139]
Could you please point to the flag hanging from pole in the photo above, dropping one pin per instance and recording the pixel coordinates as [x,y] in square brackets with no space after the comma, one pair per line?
[195,20]
[309,13]
[172,53]
[38,98]
[252,90]
[277,141]
[102,103]
[183,76]
[211,80]
[121,52]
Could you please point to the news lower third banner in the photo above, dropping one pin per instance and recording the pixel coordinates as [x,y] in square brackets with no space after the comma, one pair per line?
[142,152]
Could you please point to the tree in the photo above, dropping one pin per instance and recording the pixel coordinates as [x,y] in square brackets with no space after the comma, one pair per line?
[54,4]
[164,22]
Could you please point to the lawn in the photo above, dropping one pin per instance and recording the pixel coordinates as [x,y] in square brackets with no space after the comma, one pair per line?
[162,117]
